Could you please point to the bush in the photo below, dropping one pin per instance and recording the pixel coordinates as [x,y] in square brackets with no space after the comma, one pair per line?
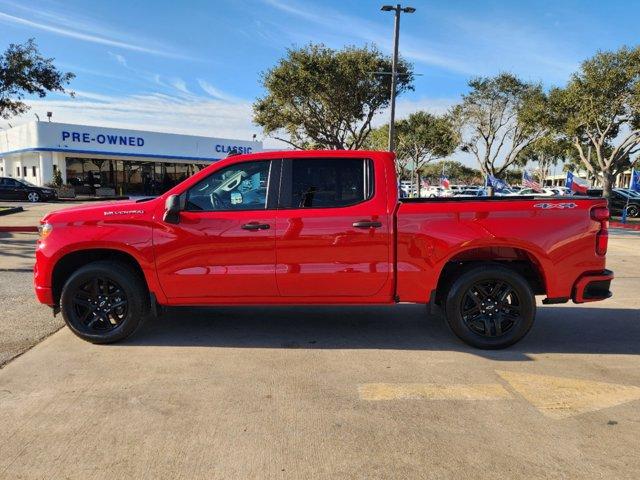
[57,179]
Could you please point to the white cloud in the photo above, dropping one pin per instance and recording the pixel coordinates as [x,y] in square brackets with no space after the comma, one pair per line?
[152,111]
[215,92]
[180,85]
[473,45]
[350,26]
[118,58]
[82,29]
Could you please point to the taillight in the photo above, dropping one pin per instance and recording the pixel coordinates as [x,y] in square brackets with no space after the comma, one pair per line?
[601,214]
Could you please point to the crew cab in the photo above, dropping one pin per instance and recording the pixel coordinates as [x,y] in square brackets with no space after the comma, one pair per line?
[320,227]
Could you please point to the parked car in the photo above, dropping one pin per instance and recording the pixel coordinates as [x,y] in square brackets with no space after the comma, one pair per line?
[544,192]
[620,199]
[328,229]
[561,190]
[13,189]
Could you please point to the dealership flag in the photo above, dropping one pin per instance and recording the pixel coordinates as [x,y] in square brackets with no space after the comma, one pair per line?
[576,184]
[529,182]
[497,184]
[444,181]
[635,180]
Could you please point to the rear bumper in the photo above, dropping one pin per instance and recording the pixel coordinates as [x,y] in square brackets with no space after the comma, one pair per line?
[593,287]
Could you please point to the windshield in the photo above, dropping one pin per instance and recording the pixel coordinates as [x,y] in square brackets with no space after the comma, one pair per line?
[27,183]
[628,193]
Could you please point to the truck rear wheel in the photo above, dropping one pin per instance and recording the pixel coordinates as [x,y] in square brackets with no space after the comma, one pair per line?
[490,306]
[104,302]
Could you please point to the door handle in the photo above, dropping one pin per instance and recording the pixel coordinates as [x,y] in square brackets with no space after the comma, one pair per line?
[256,226]
[367,224]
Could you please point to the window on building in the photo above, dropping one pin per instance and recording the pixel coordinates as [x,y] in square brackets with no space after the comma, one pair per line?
[17,171]
[24,171]
[33,171]
[326,183]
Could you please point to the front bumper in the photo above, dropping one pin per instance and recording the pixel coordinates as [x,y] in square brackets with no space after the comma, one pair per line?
[592,287]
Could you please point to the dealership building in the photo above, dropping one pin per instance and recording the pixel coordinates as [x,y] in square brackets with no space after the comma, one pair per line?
[127,161]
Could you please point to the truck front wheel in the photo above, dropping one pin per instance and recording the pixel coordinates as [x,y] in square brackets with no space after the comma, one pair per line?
[490,306]
[104,302]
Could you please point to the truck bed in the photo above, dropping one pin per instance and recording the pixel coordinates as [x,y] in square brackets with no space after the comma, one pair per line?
[555,234]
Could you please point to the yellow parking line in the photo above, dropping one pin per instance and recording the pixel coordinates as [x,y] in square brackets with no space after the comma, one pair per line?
[430,391]
[561,397]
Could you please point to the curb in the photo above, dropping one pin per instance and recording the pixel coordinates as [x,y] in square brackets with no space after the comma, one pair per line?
[626,226]
[21,229]
[88,199]
[10,210]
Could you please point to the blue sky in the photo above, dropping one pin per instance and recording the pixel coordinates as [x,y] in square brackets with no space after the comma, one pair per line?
[194,67]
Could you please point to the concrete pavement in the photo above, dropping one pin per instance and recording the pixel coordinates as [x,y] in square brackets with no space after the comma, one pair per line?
[333,393]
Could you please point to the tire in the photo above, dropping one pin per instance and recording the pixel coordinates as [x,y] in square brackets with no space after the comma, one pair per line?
[104,302]
[633,211]
[490,306]
[33,197]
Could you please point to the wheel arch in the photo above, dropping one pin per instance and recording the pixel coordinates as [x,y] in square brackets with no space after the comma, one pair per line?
[520,260]
[72,261]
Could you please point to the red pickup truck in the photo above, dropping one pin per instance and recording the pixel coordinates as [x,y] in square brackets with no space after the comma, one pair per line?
[320,227]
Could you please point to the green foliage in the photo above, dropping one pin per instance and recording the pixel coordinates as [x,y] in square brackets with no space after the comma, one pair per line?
[599,110]
[318,97]
[420,138]
[423,137]
[546,151]
[24,71]
[455,171]
[57,179]
[498,118]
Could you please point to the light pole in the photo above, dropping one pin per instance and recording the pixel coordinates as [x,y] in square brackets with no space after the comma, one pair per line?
[394,66]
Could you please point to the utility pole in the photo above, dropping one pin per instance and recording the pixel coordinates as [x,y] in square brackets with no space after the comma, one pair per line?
[398,9]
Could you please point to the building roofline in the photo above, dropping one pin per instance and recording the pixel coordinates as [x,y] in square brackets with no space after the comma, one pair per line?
[114,154]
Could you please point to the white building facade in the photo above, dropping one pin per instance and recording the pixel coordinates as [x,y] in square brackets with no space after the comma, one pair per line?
[128,161]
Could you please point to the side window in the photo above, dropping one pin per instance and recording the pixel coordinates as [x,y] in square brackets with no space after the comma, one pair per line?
[242,186]
[326,183]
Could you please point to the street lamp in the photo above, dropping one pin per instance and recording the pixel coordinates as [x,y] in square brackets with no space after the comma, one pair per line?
[394,65]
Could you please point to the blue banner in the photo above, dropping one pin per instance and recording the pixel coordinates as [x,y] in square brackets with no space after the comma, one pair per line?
[497,184]
[635,180]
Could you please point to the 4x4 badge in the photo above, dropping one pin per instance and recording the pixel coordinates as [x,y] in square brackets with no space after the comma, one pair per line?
[555,205]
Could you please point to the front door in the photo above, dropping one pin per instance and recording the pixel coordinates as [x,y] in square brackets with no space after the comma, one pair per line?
[332,231]
[224,245]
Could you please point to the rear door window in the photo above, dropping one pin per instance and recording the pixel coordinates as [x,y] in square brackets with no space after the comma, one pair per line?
[326,183]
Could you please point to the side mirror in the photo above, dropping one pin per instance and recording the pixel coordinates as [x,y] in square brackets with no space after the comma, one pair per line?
[172,209]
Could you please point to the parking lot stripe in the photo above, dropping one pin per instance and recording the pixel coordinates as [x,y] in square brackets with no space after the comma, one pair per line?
[430,391]
[560,397]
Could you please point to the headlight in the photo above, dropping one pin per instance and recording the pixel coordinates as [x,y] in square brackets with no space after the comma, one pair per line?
[44,230]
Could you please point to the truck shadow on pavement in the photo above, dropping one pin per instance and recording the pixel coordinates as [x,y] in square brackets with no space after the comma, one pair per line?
[405,327]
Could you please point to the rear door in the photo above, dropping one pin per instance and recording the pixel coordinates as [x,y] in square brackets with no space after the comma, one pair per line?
[332,230]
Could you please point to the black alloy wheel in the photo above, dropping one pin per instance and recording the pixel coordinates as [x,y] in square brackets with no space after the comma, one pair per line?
[100,304]
[633,211]
[490,305]
[491,308]
[105,301]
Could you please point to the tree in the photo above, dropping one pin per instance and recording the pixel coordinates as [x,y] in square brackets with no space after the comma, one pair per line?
[547,151]
[599,111]
[498,118]
[455,171]
[24,71]
[378,139]
[324,98]
[423,137]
